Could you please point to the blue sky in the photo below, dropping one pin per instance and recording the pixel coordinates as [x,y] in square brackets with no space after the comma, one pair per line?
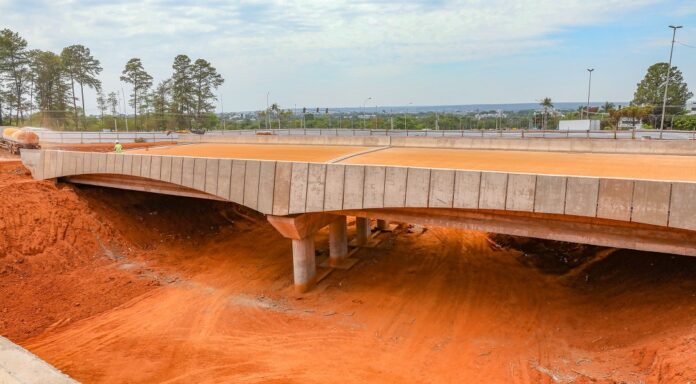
[333,53]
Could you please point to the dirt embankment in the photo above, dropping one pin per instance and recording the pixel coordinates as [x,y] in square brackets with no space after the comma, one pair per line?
[201,293]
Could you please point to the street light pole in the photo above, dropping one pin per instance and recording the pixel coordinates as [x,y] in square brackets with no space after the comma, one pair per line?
[267,111]
[589,88]
[409,104]
[669,67]
[363,109]
[222,111]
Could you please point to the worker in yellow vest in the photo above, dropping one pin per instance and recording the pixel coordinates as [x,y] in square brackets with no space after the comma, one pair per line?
[118,148]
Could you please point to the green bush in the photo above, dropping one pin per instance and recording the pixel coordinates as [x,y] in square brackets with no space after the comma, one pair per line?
[685,123]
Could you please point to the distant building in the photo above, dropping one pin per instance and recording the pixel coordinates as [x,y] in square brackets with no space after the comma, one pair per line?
[578,125]
[691,107]
[630,123]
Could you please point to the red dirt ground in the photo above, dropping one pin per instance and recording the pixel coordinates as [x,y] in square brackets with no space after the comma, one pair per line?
[105,147]
[180,290]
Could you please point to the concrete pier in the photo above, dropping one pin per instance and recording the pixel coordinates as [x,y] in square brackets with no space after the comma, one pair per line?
[362,231]
[383,225]
[304,264]
[338,241]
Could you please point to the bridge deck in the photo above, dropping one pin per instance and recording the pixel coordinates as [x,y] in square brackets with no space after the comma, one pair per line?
[630,166]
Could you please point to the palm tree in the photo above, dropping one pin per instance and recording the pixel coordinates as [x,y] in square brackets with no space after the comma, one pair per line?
[608,107]
[547,104]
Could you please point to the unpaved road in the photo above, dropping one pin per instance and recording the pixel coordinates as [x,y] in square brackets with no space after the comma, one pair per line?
[144,288]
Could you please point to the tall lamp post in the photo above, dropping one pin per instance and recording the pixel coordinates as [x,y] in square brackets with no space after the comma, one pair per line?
[589,88]
[267,111]
[409,104]
[669,67]
[363,108]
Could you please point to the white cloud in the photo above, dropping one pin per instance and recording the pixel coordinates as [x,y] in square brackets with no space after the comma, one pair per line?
[276,37]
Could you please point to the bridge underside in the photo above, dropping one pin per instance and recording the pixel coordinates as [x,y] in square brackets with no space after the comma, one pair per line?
[301,228]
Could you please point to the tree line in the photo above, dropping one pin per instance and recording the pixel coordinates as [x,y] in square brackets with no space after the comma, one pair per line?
[48,89]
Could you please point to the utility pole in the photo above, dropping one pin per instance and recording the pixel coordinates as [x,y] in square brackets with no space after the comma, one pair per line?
[222,111]
[363,110]
[589,87]
[267,111]
[669,67]
[125,112]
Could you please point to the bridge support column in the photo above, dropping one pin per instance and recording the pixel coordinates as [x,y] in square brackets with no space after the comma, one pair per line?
[301,229]
[304,264]
[383,225]
[338,241]
[362,231]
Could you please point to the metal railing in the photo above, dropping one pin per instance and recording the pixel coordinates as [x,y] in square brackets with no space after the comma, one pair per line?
[516,133]
[103,137]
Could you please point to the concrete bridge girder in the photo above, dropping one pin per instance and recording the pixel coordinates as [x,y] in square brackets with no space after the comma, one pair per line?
[638,214]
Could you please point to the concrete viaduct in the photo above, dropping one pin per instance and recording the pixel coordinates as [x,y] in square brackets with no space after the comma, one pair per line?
[301,197]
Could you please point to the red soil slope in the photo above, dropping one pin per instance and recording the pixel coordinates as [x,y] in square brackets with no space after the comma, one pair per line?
[180,290]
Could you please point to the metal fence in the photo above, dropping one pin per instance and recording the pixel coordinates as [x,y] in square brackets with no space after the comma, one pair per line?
[103,137]
[130,137]
[518,133]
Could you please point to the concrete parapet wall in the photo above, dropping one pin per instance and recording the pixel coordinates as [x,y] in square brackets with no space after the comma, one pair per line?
[637,146]
[283,188]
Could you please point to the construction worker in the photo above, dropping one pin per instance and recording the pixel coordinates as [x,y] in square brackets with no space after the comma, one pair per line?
[118,148]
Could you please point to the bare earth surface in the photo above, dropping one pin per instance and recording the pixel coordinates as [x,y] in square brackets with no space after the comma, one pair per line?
[105,147]
[647,167]
[310,153]
[122,287]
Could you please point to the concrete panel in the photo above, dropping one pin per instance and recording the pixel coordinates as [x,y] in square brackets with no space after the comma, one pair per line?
[682,212]
[102,163]
[47,165]
[520,193]
[581,196]
[333,192]
[493,190]
[224,174]
[137,164]
[373,192]
[110,162]
[59,163]
[68,164]
[127,163]
[177,170]
[417,187]
[199,173]
[266,186]
[187,172]
[281,188]
[441,188]
[156,167]
[467,185]
[237,181]
[298,187]
[550,194]
[315,187]
[211,176]
[251,184]
[94,162]
[354,187]
[614,200]
[166,169]
[145,166]
[395,187]
[651,201]
[80,163]
[118,164]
